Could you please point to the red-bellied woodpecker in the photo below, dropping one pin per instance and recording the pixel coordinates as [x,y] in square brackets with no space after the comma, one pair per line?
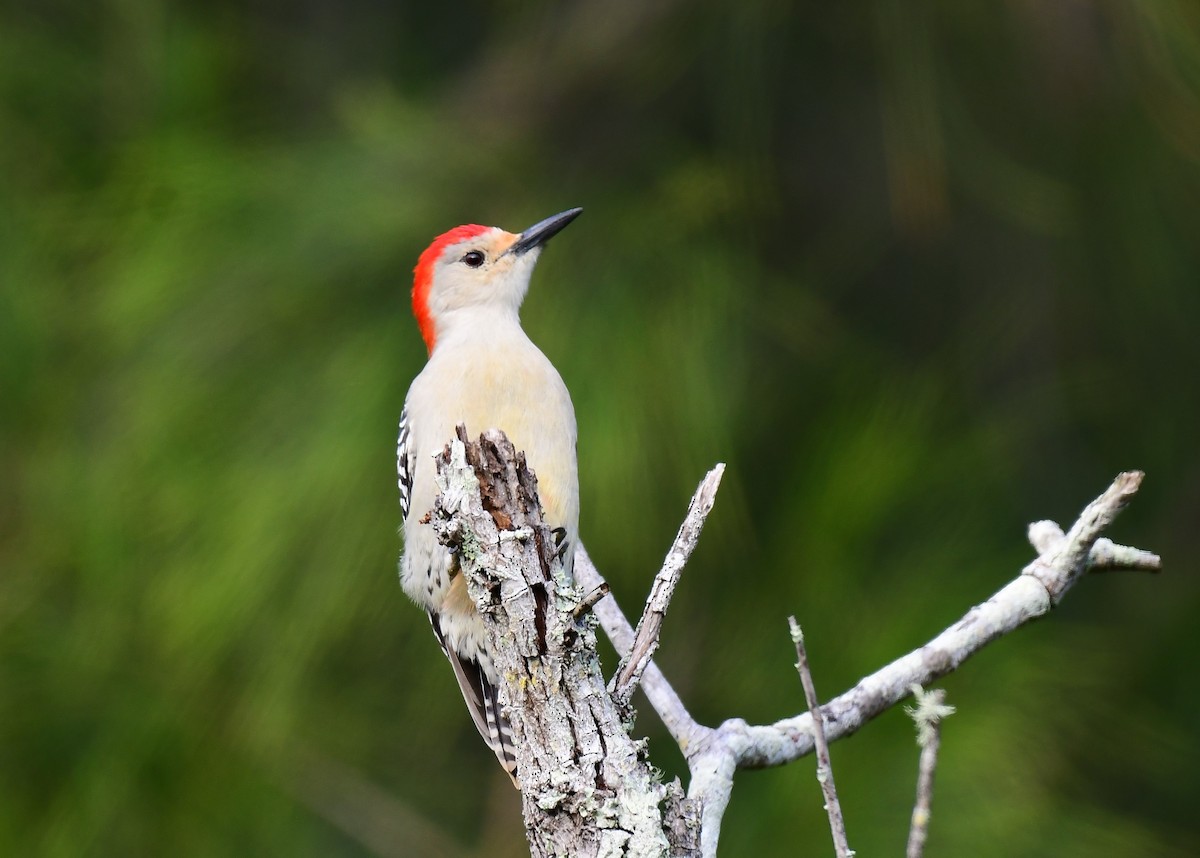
[485,372]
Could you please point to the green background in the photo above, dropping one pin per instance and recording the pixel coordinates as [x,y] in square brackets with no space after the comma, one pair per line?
[919,273]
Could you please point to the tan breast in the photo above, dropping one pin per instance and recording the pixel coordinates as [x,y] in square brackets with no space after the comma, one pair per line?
[520,393]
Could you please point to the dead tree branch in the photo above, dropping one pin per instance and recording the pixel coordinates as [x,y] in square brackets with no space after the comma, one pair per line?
[663,698]
[833,807]
[587,790]
[715,754]
[645,638]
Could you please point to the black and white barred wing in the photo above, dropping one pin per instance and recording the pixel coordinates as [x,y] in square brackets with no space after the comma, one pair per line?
[406,463]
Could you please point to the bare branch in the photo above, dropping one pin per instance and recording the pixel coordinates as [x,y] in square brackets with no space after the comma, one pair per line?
[585,787]
[1105,556]
[1059,569]
[714,755]
[837,825]
[1025,598]
[589,601]
[645,640]
[931,708]
[712,769]
[710,755]
[663,698]
[736,744]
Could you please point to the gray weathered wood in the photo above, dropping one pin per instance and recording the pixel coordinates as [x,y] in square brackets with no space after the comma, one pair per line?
[586,787]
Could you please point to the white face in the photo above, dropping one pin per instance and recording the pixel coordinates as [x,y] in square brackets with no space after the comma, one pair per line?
[480,272]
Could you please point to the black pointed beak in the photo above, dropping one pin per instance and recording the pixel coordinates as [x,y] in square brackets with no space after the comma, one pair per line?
[542,231]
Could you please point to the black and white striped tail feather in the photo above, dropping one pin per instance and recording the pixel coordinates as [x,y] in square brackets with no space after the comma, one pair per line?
[483,702]
[499,736]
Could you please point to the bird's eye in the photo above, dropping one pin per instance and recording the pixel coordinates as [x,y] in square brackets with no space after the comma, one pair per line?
[474,259]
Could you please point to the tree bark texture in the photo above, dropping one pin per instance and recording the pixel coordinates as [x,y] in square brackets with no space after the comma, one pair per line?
[587,789]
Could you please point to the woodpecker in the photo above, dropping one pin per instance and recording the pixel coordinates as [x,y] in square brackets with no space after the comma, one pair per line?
[485,372]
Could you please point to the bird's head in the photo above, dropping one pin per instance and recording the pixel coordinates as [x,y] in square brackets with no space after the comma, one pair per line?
[478,266]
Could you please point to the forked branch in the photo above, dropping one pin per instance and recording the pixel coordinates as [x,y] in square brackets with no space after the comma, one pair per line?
[587,788]
[715,754]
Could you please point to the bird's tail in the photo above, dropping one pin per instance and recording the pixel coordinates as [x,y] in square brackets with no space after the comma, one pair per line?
[483,702]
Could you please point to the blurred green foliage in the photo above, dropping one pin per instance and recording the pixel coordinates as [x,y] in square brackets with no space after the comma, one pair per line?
[919,274]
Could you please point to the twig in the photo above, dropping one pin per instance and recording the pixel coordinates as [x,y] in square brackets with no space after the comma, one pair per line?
[589,601]
[715,754]
[738,745]
[931,708]
[837,825]
[645,641]
[662,696]
[1105,556]
[1059,569]
[1025,598]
